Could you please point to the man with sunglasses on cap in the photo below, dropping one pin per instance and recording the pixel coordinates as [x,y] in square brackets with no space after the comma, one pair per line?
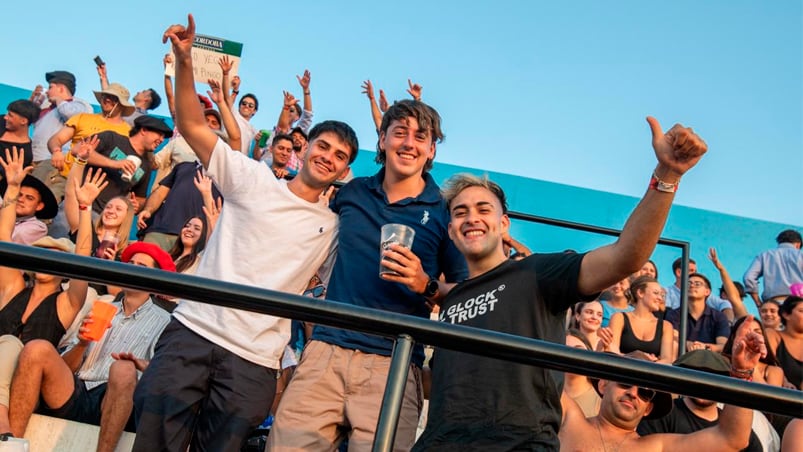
[91,381]
[62,106]
[624,406]
[507,406]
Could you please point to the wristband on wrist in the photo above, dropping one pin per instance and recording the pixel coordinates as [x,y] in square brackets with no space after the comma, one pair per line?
[663,186]
[306,93]
[287,107]
[80,207]
[234,91]
[742,374]
[80,161]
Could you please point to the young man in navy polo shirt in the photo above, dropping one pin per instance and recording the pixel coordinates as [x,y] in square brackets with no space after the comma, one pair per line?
[338,385]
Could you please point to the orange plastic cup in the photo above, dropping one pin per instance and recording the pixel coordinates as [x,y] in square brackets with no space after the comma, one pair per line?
[102,315]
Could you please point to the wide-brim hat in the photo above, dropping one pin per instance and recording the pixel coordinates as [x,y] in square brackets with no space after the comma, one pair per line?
[121,93]
[704,361]
[163,260]
[153,123]
[48,198]
[62,244]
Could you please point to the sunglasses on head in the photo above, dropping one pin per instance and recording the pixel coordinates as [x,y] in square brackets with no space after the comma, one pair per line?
[644,394]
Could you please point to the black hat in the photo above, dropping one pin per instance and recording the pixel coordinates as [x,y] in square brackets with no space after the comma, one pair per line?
[63,77]
[48,199]
[153,123]
[704,361]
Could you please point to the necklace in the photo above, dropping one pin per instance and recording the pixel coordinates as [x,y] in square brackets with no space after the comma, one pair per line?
[604,447]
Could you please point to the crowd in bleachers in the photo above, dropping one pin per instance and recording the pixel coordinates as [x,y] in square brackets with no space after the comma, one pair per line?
[215,196]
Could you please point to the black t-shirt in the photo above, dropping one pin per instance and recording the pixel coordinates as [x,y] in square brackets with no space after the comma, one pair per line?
[117,147]
[481,403]
[183,202]
[27,150]
[682,420]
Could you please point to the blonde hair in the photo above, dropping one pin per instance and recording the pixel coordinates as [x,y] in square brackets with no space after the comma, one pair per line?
[124,230]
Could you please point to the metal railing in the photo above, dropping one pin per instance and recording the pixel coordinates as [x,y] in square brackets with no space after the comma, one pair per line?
[407,329]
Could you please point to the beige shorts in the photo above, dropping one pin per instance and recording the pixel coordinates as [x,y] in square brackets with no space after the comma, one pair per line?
[337,392]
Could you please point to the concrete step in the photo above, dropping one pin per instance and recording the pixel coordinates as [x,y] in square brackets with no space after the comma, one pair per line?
[59,435]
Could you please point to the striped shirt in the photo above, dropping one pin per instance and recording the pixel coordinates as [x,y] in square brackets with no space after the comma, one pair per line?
[136,333]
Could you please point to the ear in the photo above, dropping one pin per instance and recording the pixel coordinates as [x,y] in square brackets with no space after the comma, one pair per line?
[432,151]
[40,206]
[647,411]
[505,223]
[381,141]
[450,230]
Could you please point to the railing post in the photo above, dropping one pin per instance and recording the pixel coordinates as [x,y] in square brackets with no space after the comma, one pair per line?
[394,394]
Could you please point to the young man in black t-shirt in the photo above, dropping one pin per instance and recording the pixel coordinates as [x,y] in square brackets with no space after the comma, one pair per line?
[498,405]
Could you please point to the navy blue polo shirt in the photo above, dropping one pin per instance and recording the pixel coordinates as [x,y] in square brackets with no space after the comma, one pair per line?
[363,209]
[706,329]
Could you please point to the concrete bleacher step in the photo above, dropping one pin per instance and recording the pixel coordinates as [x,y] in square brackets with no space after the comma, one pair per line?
[47,434]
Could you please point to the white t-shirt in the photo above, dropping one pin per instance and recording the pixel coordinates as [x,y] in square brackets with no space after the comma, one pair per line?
[247,131]
[266,237]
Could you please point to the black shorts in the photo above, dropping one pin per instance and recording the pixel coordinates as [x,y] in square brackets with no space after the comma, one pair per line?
[82,406]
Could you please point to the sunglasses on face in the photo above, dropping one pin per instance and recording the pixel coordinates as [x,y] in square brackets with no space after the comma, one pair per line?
[247,104]
[644,394]
[316,292]
[108,97]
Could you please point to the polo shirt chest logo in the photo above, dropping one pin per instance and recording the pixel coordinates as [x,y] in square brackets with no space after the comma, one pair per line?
[425,217]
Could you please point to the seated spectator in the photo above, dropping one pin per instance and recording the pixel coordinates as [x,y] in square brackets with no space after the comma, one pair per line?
[41,310]
[186,252]
[587,319]
[91,381]
[639,331]
[615,299]
[673,291]
[59,105]
[770,317]
[579,387]
[787,344]
[112,227]
[20,115]
[692,414]
[779,268]
[707,328]
[34,203]
[177,197]
[624,406]
[767,370]
[648,269]
[147,99]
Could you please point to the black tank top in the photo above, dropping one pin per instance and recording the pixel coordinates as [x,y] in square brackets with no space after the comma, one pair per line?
[792,368]
[629,342]
[43,323]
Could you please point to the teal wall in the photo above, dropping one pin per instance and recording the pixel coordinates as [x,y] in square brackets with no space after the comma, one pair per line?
[737,239]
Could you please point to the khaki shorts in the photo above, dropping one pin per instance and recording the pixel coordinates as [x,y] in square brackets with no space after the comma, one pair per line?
[337,392]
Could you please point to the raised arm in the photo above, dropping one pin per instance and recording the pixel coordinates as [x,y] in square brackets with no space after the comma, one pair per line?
[189,116]
[11,280]
[283,125]
[171,100]
[81,151]
[677,151]
[104,77]
[414,90]
[376,114]
[226,66]
[229,123]
[731,291]
[304,81]
[84,195]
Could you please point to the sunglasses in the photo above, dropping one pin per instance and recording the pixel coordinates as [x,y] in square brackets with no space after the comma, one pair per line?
[696,283]
[248,104]
[644,394]
[316,292]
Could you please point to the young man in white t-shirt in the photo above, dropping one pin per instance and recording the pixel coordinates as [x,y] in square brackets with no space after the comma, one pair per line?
[213,377]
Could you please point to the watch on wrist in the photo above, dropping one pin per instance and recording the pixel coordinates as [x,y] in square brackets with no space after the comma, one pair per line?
[431,289]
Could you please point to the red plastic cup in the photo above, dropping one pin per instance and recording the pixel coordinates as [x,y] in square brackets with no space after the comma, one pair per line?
[102,315]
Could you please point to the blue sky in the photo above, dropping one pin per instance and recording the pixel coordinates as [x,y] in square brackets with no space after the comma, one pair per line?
[549,90]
